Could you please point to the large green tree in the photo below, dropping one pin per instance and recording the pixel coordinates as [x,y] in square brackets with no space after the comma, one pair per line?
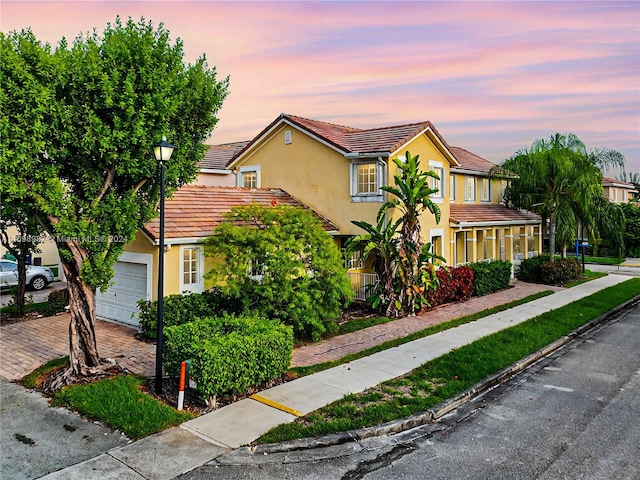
[279,262]
[78,124]
[562,181]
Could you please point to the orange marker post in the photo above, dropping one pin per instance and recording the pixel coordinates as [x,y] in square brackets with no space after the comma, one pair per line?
[183,375]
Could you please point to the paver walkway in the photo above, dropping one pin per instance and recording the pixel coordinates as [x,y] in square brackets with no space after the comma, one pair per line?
[340,346]
[24,346]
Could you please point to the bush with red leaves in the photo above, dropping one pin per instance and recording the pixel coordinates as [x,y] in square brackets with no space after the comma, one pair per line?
[455,285]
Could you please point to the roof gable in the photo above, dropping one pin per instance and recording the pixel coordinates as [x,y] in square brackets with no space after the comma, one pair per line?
[350,140]
[195,210]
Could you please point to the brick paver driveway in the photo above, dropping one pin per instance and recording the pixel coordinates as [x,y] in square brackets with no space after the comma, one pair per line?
[24,346]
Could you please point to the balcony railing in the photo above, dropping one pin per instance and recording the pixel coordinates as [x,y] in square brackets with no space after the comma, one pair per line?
[362,284]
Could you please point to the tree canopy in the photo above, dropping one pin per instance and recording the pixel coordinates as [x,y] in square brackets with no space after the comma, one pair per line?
[279,262]
[562,181]
[76,132]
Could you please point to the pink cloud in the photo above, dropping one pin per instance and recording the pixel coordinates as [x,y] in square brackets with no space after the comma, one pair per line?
[491,75]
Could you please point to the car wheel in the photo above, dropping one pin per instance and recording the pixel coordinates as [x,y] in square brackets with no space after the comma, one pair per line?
[38,283]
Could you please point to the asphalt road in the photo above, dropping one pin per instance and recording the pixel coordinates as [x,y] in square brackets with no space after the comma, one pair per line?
[574,416]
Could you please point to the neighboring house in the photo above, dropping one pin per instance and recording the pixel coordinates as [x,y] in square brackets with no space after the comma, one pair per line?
[47,256]
[338,171]
[618,191]
[213,168]
[190,216]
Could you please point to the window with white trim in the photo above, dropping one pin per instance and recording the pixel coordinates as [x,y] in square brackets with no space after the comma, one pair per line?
[366,179]
[470,189]
[191,270]
[249,177]
[437,183]
[485,190]
[356,261]
[452,187]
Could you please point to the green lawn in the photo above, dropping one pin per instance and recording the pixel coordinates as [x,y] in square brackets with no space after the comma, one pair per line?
[120,403]
[452,373]
[603,260]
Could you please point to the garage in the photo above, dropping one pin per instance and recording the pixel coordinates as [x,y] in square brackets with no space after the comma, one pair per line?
[119,302]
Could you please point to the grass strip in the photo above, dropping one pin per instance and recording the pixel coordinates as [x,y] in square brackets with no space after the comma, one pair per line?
[120,403]
[588,275]
[34,379]
[452,373]
[308,370]
[603,260]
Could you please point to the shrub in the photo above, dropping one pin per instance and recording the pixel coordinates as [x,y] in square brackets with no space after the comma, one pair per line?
[180,309]
[56,301]
[490,276]
[529,270]
[280,263]
[454,285]
[229,354]
[561,271]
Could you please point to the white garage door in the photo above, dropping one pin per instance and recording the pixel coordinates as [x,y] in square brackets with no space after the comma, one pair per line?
[119,302]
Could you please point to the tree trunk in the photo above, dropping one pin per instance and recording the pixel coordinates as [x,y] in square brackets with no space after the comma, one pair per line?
[83,350]
[552,237]
[22,284]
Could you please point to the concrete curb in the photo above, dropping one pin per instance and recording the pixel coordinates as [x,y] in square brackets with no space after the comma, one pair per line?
[433,415]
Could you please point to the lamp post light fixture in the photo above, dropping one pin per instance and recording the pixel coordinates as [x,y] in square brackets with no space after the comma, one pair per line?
[162,151]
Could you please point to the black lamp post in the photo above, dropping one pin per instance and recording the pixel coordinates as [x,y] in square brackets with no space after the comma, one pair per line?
[162,151]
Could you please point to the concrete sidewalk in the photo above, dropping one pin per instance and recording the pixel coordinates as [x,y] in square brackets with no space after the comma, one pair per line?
[178,450]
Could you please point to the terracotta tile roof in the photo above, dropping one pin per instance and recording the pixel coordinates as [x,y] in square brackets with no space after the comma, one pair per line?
[350,139]
[385,139]
[217,156]
[609,182]
[477,213]
[470,161]
[194,210]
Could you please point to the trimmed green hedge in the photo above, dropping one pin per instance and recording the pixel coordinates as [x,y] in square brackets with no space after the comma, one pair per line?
[530,270]
[561,271]
[542,270]
[490,276]
[229,354]
[181,309]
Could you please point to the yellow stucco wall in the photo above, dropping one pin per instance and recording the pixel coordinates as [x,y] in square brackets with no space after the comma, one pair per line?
[313,173]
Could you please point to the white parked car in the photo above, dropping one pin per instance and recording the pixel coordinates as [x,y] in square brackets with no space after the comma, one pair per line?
[37,277]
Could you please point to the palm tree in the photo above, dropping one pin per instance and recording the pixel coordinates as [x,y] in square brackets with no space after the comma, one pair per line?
[559,179]
[412,194]
[379,243]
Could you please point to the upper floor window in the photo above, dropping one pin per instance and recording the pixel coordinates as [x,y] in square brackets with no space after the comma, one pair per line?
[452,187]
[437,183]
[470,189]
[366,179]
[485,190]
[249,177]
[191,270]
[614,194]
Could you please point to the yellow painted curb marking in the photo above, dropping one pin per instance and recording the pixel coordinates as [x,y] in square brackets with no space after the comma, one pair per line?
[279,406]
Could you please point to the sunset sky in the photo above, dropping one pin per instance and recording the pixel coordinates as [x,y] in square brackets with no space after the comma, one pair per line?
[491,76]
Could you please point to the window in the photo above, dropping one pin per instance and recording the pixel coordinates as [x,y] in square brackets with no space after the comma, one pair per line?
[366,179]
[485,190]
[249,177]
[356,261]
[437,183]
[614,192]
[452,187]
[191,274]
[470,189]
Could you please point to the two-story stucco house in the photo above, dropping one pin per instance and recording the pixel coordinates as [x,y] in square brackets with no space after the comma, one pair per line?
[338,171]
